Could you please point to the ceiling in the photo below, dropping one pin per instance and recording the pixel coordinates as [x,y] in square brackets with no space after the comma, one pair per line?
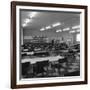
[45,18]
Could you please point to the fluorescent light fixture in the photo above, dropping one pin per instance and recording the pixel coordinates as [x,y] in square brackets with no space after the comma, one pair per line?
[75,27]
[56,24]
[24,24]
[48,27]
[66,29]
[59,30]
[32,14]
[27,20]
[78,30]
[42,29]
[72,31]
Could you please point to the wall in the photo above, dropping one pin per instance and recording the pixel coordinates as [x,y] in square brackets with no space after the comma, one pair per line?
[51,35]
[5,45]
[21,32]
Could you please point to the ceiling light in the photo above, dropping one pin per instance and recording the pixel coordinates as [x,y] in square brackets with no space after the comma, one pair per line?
[42,29]
[75,27]
[24,24]
[27,20]
[48,27]
[59,30]
[66,29]
[32,14]
[56,24]
[72,32]
[78,30]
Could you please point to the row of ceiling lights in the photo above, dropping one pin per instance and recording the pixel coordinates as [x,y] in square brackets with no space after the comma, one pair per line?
[49,27]
[27,20]
[65,29]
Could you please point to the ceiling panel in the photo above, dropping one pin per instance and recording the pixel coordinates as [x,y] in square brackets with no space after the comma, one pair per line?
[45,18]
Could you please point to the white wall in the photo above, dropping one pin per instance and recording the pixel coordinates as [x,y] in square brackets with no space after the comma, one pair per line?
[5,44]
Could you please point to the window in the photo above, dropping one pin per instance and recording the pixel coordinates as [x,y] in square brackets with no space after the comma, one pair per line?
[78,37]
